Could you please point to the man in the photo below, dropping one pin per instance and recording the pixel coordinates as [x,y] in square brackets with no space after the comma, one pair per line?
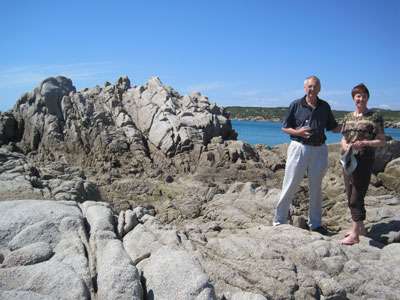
[305,121]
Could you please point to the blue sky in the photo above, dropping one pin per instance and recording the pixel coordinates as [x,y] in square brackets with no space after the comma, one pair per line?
[246,53]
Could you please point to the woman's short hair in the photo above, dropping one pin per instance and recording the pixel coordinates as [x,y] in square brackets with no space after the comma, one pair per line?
[358,89]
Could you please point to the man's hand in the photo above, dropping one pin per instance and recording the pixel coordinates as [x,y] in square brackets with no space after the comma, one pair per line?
[305,131]
[337,129]
[302,131]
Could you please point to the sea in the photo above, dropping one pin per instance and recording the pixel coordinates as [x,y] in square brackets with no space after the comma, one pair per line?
[271,134]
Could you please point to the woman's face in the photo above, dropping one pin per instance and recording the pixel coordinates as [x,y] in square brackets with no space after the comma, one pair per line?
[360,100]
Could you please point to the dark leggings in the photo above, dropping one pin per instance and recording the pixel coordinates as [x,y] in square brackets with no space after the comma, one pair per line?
[357,183]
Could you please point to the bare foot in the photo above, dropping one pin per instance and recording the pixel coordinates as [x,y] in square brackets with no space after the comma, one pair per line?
[364,233]
[349,241]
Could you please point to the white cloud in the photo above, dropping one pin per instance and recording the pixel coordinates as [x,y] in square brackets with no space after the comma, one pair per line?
[34,74]
[330,93]
[201,87]
[293,94]
[248,93]
[258,97]
[263,101]
[26,77]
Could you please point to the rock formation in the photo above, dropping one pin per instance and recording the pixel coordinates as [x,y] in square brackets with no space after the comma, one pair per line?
[114,126]
[126,192]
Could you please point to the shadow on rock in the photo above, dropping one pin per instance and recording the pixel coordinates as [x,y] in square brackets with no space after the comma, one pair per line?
[386,233]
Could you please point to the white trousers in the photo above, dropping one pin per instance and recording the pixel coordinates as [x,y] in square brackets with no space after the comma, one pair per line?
[302,159]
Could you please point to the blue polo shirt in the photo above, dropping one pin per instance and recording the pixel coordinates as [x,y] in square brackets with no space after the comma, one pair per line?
[319,119]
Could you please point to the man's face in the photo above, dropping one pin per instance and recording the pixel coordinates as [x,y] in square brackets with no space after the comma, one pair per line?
[312,88]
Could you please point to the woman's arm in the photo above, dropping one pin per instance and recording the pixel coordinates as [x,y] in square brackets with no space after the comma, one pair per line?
[379,141]
[345,146]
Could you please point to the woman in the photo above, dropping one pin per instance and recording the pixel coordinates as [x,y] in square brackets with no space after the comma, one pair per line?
[364,130]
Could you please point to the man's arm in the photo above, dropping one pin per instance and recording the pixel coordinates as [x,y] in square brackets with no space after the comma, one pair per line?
[338,129]
[302,131]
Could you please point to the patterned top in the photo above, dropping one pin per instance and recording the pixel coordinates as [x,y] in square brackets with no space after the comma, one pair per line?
[364,127]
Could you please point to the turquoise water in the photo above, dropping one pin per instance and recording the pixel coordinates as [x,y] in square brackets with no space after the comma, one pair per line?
[270,134]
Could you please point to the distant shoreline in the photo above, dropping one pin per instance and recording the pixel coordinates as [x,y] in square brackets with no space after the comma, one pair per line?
[388,124]
[277,114]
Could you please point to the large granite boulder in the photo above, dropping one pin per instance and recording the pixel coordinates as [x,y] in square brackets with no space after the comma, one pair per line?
[385,154]
[172,123]
[44,244]
[117,126]
[391,176]
[63,250]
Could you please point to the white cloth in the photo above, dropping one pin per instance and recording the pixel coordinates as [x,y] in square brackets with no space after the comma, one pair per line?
[301,160]
[348,160]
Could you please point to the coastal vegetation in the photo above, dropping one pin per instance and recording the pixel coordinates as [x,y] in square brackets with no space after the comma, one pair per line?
[277,114]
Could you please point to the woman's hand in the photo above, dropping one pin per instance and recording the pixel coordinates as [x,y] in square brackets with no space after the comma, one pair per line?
[345,146]
[361,144]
